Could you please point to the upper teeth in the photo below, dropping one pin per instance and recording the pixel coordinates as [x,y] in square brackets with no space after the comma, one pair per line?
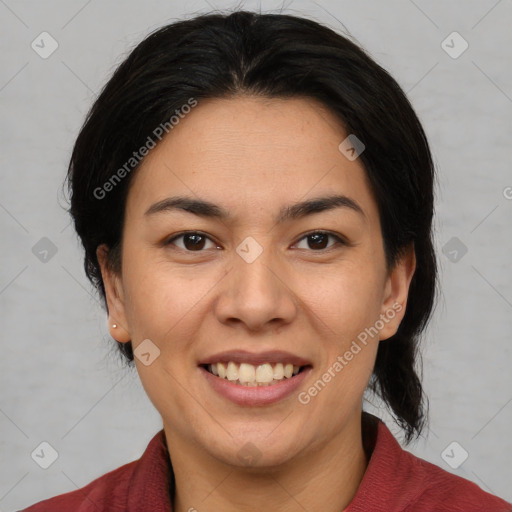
[249,374]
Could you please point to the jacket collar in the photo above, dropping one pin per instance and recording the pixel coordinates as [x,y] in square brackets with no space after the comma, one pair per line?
[152,484]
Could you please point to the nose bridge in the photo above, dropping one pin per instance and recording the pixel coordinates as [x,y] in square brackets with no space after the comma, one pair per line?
[255,292]
[253,268]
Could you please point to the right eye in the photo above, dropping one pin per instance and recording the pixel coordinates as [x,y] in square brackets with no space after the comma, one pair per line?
[193,241]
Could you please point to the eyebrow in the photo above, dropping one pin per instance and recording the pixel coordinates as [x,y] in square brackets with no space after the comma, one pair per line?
[294,211]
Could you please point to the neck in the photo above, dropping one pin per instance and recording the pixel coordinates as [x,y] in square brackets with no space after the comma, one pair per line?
[326,478]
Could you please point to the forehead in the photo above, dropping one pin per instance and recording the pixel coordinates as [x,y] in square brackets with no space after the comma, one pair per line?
[254,154]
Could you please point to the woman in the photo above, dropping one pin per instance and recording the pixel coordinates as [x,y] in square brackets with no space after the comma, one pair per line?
[254,195]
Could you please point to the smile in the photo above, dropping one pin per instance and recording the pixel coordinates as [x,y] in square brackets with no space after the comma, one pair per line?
[246,374]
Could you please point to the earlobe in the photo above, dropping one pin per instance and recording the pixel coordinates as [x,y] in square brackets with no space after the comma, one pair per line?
[112,283]
[118,332]
[396,292]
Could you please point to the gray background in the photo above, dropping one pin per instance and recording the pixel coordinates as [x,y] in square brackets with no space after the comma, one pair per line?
[61,380]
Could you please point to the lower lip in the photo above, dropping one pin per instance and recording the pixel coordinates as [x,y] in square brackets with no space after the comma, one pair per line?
[255,395]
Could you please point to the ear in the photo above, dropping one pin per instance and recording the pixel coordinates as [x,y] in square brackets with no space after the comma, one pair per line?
[115,297]
[396,292]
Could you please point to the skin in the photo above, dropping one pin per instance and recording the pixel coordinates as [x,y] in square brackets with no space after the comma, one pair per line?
[252,156]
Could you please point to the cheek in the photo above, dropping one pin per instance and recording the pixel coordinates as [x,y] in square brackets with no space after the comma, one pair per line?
[163,299]
[346,298]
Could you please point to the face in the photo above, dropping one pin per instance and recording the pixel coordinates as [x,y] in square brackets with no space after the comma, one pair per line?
[264,286]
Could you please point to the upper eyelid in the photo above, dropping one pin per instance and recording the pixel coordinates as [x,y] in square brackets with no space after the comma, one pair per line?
[340,238]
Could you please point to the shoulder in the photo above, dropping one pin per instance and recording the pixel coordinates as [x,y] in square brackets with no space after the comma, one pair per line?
[107,492]
[143,483]
[434,488]
[398,481]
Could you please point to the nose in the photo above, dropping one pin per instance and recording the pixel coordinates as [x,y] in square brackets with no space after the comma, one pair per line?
[258,295]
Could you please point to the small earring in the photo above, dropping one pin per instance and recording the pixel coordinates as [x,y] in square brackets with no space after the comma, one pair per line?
[114,326]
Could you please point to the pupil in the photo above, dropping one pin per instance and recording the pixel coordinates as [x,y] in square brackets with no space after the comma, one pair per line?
[196,243]
[318,236]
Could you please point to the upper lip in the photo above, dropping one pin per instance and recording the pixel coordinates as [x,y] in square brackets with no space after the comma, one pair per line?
[242,356]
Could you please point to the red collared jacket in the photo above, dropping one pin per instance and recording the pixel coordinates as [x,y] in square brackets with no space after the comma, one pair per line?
[394,481]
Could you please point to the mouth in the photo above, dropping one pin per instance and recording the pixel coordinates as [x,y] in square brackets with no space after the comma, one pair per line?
[251,375]
[248,379]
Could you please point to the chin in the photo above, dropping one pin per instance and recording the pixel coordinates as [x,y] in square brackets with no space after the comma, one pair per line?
[257,450]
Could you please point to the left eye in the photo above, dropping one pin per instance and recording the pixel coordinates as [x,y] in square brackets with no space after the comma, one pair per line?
[194,241]
[319,239]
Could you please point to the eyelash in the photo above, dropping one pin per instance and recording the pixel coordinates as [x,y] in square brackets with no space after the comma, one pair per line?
[339,240]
